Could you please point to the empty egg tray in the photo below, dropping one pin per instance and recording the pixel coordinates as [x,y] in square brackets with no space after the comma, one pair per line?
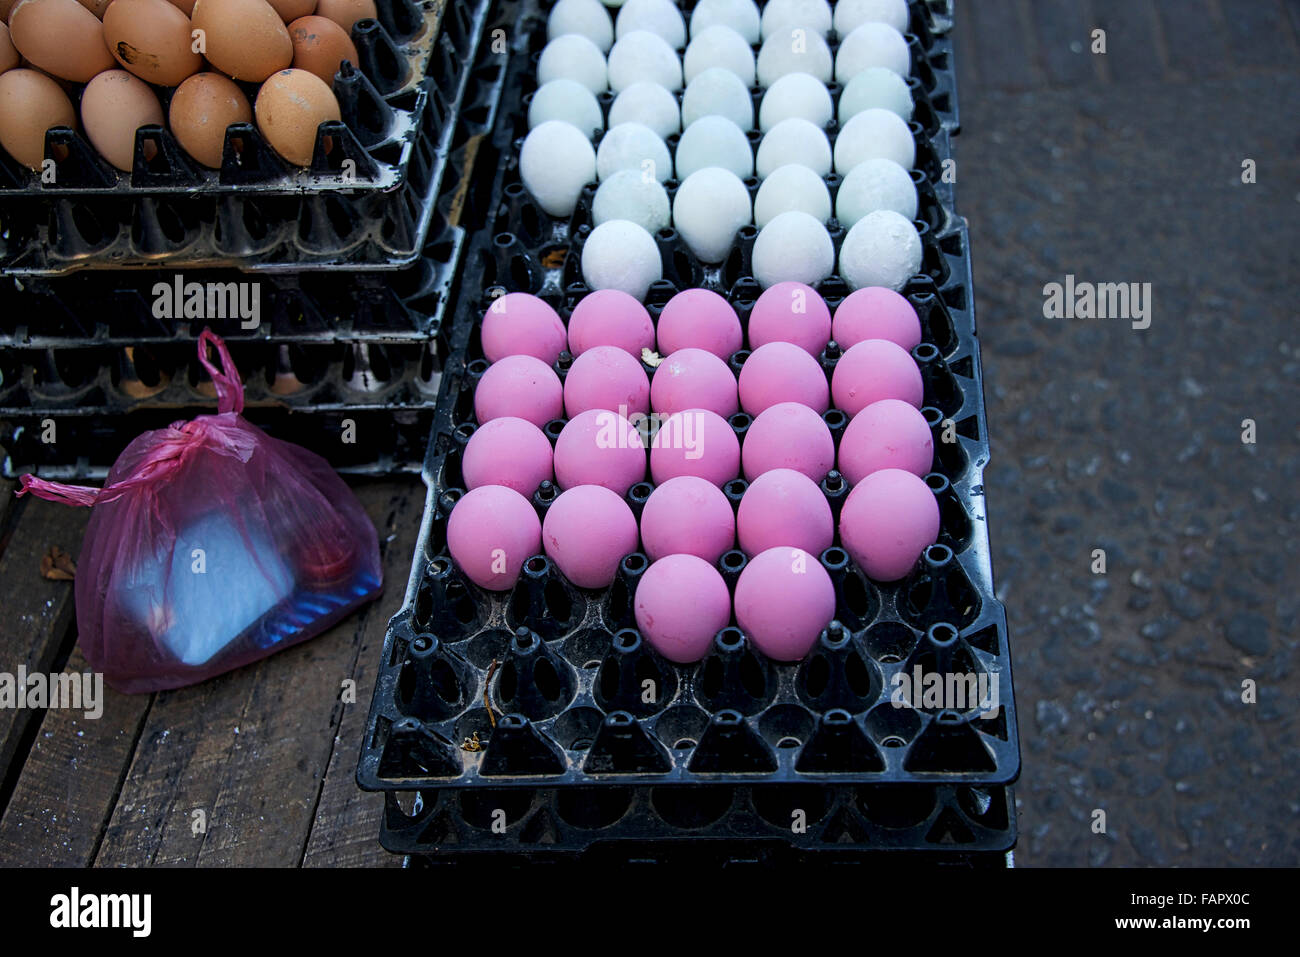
[426,86]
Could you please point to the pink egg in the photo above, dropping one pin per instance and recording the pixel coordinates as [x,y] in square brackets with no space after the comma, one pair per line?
[588,530]
[784,599]
[688,515]
[782,372]
[695,442]
[888,434]
[791,312]
[606,377]
[610,317]
[520,324]
[520,386]
[784,507]
[876,312]
[599,447]
[889,518]
[508,451]
[699,319]
[872,370]
[492,531]
[789,435]
[693,379]
[681,603]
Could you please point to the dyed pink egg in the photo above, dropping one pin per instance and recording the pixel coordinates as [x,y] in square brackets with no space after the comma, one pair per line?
[791,312]
[588,530]
[693,379]
[872,370]
[889,434]
[695,442]
[889,518]
[784,599]
[520,386]
[492,531]
[688,515]
[876,312]
[789,435]
[681,603]
[508,451]
[784,507]
[782,372]
[606,377]
[599,447]
[699,319]
[520,324]
[610,317]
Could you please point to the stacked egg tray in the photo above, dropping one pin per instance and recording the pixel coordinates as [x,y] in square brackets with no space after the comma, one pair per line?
[426,84]
[551,751]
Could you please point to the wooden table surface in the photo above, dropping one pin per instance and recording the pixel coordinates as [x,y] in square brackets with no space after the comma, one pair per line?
[267,753]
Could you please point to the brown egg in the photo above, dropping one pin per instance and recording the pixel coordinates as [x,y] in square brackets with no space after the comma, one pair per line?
[30,104]
[8,54]
[347,12]
[319,46]
[184,6]
[114,105]
[244,39]
[290,106]
[6,7]
[61,37]
[97,7]
[151,38]
[201,109]
[291,10]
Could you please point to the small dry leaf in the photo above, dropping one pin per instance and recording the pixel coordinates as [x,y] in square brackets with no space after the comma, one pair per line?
[555,258]
[57,565]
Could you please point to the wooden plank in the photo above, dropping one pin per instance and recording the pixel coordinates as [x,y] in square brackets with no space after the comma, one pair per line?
[70,781]
[249,750]
[1132,44]
[1001,46]
[36,614]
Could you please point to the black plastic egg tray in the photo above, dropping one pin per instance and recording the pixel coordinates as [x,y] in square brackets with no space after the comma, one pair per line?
[557,752]
[370,199]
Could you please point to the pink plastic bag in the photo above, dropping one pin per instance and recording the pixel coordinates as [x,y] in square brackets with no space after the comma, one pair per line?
[212,545]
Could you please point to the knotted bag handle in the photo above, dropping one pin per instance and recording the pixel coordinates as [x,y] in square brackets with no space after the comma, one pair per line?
[230,388]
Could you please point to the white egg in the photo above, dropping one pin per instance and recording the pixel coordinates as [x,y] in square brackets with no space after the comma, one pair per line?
[784,15]
[876,87]
[793,247]
[780,55]
[714,141]
[567,101]
[633,146]
[650,105]
[643,56]
[718,92]
[795,94]
[874,134]
[621,255]
[792,187]
[741,15]
[573,57]
[631,196]
[555,163]
[587,17]
[794,141]
[851,14]
[872,44]
[710,207]
[657,16]
[882,249]
[719,46]
[875,184]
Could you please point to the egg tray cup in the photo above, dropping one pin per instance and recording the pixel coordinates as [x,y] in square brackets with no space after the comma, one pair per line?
[372,196]
[707,824]
[385,442]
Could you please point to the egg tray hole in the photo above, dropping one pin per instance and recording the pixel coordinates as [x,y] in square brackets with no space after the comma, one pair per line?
[358,223]
[387,443]
[965,826]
